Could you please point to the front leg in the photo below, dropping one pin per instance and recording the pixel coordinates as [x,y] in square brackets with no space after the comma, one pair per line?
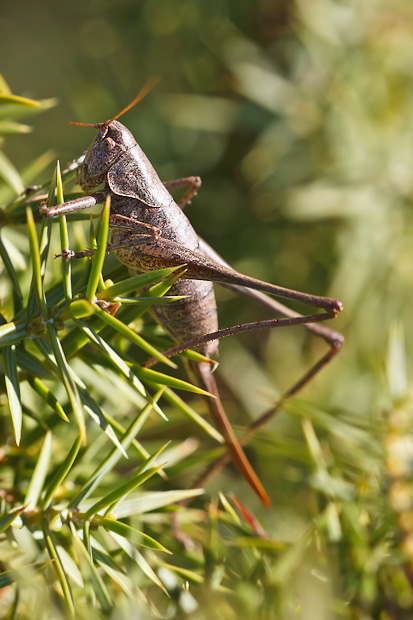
[84,202]
[115,221]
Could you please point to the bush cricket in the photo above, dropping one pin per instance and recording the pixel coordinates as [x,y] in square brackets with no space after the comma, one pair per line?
[151,231]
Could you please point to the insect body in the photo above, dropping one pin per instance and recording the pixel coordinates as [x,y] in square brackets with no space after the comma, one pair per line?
[150,231]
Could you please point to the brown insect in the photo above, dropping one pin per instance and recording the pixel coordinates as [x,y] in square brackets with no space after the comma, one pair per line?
[150,231]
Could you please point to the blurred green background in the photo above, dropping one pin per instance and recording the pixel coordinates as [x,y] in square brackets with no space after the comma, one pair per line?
[298,117]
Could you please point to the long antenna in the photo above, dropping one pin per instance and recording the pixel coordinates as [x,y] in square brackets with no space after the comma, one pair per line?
[150,84]
[96,125]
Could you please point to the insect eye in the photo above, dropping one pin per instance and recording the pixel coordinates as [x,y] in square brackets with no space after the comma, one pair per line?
[107,144]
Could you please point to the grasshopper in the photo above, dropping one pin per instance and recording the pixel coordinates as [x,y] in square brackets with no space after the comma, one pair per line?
[151,231]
